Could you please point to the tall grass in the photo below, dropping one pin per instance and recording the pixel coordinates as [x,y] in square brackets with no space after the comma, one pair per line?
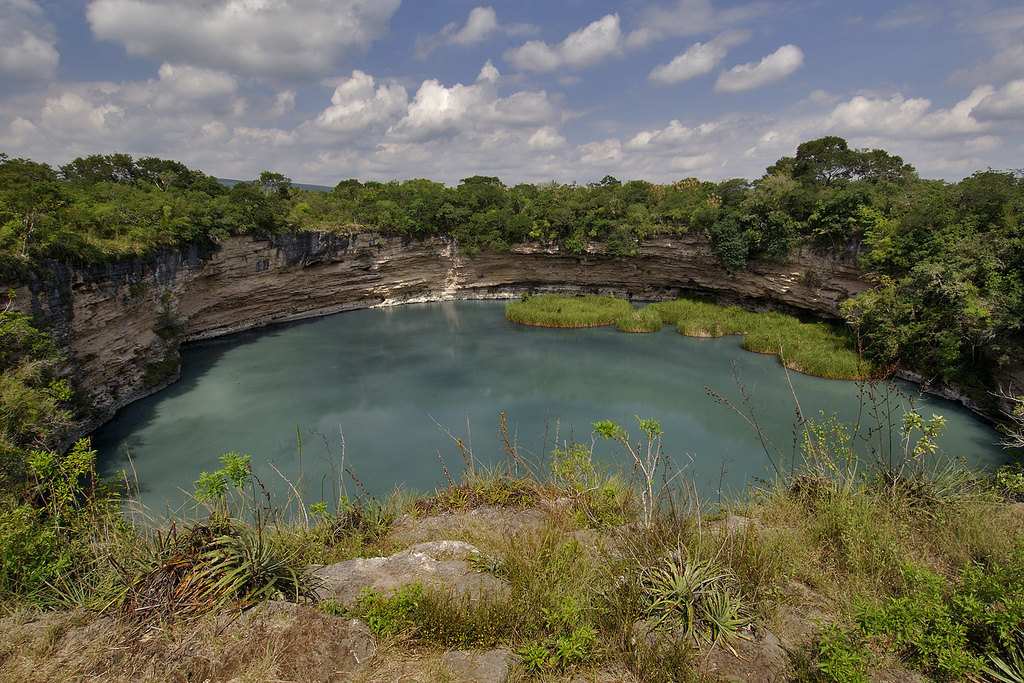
[550,310]
[820,349]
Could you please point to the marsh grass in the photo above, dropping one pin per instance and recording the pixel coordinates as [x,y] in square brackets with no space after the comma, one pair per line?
[550,310]
[820,349]
[645,319]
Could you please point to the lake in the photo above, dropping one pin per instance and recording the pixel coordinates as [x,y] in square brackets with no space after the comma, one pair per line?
[385,390]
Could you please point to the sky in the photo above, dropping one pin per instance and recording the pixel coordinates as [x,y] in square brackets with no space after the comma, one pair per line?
[529,91]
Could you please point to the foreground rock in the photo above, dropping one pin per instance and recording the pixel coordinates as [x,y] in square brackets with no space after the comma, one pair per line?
[438,565]
[759,656]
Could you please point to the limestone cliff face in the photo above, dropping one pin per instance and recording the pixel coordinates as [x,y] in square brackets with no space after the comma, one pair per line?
[120,326]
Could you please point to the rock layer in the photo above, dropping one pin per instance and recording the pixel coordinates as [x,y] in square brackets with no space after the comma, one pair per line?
[120,325]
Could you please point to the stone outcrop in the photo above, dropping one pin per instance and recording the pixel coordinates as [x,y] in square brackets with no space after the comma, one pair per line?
[120,325]
[437,565]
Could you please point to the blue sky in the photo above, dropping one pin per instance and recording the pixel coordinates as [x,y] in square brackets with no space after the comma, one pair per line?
[323,90]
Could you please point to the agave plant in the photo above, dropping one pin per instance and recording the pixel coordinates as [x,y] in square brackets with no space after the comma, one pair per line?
[245,567]
[695,595]
[207,567]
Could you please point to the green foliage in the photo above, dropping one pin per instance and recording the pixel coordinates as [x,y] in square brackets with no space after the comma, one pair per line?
[441,619]
[569,639]
[841,655]
[45,542]
[224,563]
[235,475]
[649,464]
[1008,481]
[949,630]
[33,400]
[599,500]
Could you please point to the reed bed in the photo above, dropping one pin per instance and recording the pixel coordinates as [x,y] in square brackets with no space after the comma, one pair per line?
[645,319]
[819,349]
[551,310]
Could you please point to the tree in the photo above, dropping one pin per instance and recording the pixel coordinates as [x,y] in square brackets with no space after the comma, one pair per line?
[824,161]
[274,183]
[101,168]
[29,193]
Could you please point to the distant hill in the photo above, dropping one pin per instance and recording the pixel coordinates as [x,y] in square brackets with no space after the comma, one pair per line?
[230,182]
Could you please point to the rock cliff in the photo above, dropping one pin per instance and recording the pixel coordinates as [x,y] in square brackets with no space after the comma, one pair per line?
[120,325]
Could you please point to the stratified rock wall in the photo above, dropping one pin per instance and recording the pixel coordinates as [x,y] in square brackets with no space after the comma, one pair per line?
[120,325]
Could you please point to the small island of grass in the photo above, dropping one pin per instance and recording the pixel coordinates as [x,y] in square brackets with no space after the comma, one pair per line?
[552,310]
[821,349]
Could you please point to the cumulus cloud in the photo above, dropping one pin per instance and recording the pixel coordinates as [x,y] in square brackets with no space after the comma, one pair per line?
[911,118]
[698,59]
[481,22]
[441,111]
[359,105]
[546,138]
[673,137]
[771,69]
[285,38]
[27,43]
[1005,104]
[586,47]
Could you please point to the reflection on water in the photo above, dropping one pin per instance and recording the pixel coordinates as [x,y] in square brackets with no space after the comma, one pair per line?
[394,379]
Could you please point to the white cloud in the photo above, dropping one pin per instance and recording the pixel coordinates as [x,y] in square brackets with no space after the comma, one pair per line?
[196,83]
[698,59]
[672,137]
[27,43]
[584,48]
[440,111]
[1005,104]
[481,23]
[284,38]
[910,118]
[359,105]
[771,69]
[546,138]
[534,55]
[690,18]
[1005,65]
[73,114]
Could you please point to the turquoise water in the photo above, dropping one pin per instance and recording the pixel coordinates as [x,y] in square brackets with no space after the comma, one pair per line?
[379,388]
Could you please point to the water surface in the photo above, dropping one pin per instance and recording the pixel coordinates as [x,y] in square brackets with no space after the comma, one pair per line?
[393,380]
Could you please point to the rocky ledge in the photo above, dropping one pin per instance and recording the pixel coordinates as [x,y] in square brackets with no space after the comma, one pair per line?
[120,325]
